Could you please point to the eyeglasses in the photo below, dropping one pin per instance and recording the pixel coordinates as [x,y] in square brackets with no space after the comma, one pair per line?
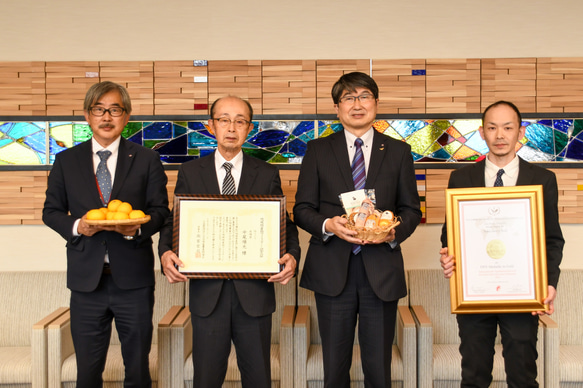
[363,98]
[114,112]
[226,123]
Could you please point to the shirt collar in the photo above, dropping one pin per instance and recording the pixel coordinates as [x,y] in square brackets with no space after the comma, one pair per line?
[511,169]
[113,147]
[237,161]
[366,138]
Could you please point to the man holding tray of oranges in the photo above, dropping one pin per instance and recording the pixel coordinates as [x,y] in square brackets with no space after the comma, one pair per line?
[110,262]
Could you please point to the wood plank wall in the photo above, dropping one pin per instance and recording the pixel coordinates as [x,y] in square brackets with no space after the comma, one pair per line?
[22,194]
[296,86]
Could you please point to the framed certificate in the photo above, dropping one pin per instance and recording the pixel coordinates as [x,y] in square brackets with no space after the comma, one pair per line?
[229,237]
[497,236]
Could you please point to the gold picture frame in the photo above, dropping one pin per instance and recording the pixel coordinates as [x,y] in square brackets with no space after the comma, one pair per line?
[229,236]
[497,237]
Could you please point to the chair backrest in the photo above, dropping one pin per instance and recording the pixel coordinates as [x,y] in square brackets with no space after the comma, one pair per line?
[26,298]
[569,307]
[428,288]
[306,298]
[166,295]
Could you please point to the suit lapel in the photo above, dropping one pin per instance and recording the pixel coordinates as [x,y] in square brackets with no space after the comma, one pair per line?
[87,169]
[340,151]
[525,174]
[208,174]
[477,177]
[125,159]
[248,175]
[377,155]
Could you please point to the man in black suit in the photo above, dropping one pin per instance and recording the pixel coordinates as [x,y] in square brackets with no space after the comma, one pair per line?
[230,310]
[110,269]
[501,129]
[354,279]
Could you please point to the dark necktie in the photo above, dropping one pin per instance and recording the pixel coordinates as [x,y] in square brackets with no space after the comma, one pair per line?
[228,182]
[498,182]
[103,176]
[358,176]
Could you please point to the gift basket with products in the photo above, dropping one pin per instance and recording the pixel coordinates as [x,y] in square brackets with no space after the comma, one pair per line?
[370,223]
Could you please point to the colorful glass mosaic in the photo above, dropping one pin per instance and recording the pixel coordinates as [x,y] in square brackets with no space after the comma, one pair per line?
[285,141]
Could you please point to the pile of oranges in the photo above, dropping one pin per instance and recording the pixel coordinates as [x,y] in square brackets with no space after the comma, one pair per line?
[115,210]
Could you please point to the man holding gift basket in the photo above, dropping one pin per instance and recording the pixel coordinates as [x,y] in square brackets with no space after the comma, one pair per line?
[348,182]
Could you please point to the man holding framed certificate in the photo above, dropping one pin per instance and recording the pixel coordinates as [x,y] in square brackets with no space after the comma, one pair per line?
[501,130]
[230,309]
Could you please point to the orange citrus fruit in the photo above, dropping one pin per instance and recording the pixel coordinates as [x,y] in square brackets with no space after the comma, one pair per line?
[113,205]
[120,216]
[95,214]
[104,210]
[109,215]
[124,207]
[137,214]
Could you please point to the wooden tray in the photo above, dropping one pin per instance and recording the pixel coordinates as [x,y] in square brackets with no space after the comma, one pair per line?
[134,221]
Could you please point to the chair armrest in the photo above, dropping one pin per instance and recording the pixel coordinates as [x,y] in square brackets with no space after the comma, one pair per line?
[286,350]
[551,351]
[181,345]
[424,347]
[39,348]
[60,346]
[164,347]
[301,345]
[407,344]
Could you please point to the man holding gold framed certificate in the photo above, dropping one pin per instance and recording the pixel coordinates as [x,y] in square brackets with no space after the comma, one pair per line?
[232,308]
[501,130]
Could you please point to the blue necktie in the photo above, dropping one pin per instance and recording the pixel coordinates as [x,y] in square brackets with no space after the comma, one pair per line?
[358,176]
[498,182]
[103,176]
[229,181]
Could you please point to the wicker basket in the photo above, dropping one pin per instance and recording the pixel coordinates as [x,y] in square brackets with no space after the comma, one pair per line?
[371,234]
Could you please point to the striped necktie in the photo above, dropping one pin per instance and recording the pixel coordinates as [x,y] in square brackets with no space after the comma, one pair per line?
[358,176]
[103,176]
[229,181]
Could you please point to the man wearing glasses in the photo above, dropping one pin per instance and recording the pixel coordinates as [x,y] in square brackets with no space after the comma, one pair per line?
[110,269]
[353,280]
[230,310]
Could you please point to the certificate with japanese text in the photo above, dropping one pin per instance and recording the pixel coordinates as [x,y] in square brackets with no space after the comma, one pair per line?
[498,240]
[235,236]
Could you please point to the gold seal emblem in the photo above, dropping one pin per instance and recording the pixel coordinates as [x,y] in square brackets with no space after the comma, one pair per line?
[496,249]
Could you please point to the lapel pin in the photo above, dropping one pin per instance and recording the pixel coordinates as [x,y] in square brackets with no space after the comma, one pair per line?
[382,147]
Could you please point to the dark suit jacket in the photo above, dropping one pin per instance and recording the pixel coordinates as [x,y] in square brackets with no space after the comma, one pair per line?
[199,176]
[72,191]
[528,174]
[326,173]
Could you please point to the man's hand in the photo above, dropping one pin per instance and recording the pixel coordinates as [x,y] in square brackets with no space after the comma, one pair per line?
[550,301]
[169,261]
[89,230]
[447,262]
[287,272]
[337,225]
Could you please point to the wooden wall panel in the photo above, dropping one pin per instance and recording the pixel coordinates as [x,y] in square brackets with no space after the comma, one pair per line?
[399,90]
[453,85]
[180,88]
[289,87]
[238,78]
[510,79]
[67,83]
[559,85]
[22,88]
[22,194]
[137,77]
[327,73]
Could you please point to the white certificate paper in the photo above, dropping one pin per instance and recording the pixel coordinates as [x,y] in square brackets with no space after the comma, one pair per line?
[496,248]
[229,236]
